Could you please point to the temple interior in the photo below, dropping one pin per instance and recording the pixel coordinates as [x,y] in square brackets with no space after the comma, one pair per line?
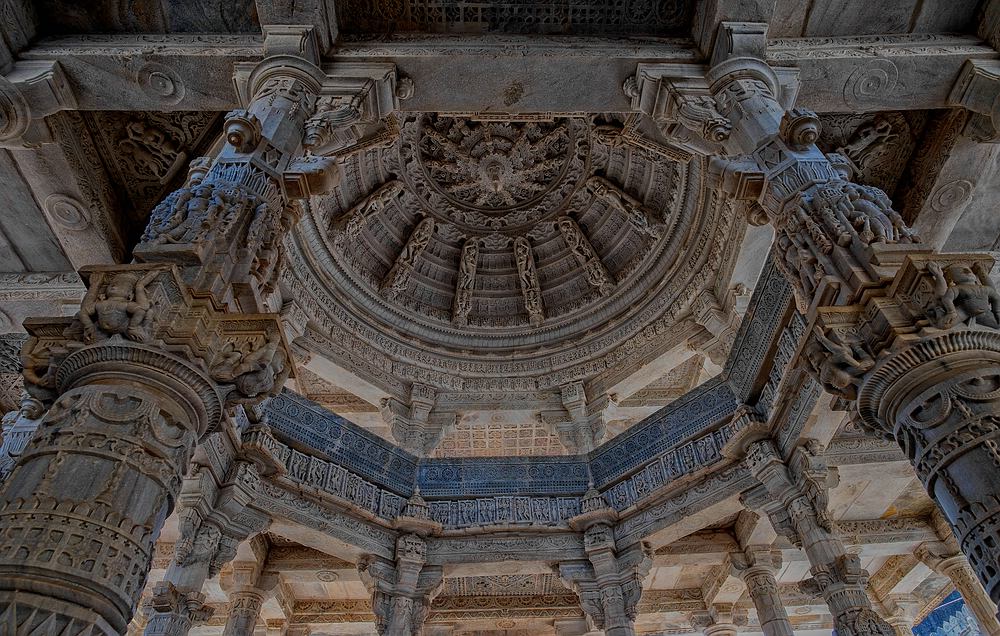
[499,317]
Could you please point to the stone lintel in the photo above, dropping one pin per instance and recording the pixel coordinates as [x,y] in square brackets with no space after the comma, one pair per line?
[195,72]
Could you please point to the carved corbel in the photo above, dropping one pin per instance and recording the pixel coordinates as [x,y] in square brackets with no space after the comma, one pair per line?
[978,90]
[355,97]
[720,322]
[414,426]
[679,101]
[33,90]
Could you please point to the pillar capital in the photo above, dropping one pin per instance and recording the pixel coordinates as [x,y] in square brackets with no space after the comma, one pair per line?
[978,89]
[719,620]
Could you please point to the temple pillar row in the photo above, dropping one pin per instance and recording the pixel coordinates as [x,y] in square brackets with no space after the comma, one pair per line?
[794,496]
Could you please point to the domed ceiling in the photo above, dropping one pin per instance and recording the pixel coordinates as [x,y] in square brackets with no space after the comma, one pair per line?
[501,263]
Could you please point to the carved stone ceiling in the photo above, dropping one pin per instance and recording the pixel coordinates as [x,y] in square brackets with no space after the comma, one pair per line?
[147,16]
[499,262]
[576,17]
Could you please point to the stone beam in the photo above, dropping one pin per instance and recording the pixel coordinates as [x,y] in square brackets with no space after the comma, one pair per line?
[875,536]
[870,73]
[528,75]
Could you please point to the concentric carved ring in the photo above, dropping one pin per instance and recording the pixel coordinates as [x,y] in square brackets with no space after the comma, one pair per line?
[874,78]
[67,212]
[485,176]
[903,376]
[15,115]
[161,83]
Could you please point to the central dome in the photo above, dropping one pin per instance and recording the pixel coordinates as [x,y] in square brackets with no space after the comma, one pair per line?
[478,254]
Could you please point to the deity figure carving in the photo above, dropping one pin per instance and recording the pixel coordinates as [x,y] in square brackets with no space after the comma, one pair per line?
[258,373]
[355,219]
[528,279]
[963,298]
[118,306]
[631,208]
[466,282]
[16,431]
[398,278]
[597,275]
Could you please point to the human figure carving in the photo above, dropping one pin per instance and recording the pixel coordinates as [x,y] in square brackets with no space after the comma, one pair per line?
[260,372]
[357,217]
[963,298]
[838,367]
[117,308]
[631,208]
[16,430]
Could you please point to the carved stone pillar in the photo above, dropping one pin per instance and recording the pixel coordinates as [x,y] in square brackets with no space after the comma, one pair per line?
[152,359]
[610,585]
[756,568]
[794,496]
[910,335]
[248,586]
[214,519]
[945,560]
[244,610]
[719,621]
[402,591]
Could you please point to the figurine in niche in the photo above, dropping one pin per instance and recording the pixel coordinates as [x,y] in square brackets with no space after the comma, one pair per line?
[839,367]
[118,308]
[16,431]
[963,298]
[260,373]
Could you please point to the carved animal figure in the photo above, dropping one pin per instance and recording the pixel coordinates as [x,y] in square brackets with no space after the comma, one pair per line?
[260,372]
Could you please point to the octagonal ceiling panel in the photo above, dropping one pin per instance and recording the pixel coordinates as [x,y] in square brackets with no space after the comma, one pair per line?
[501,262]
